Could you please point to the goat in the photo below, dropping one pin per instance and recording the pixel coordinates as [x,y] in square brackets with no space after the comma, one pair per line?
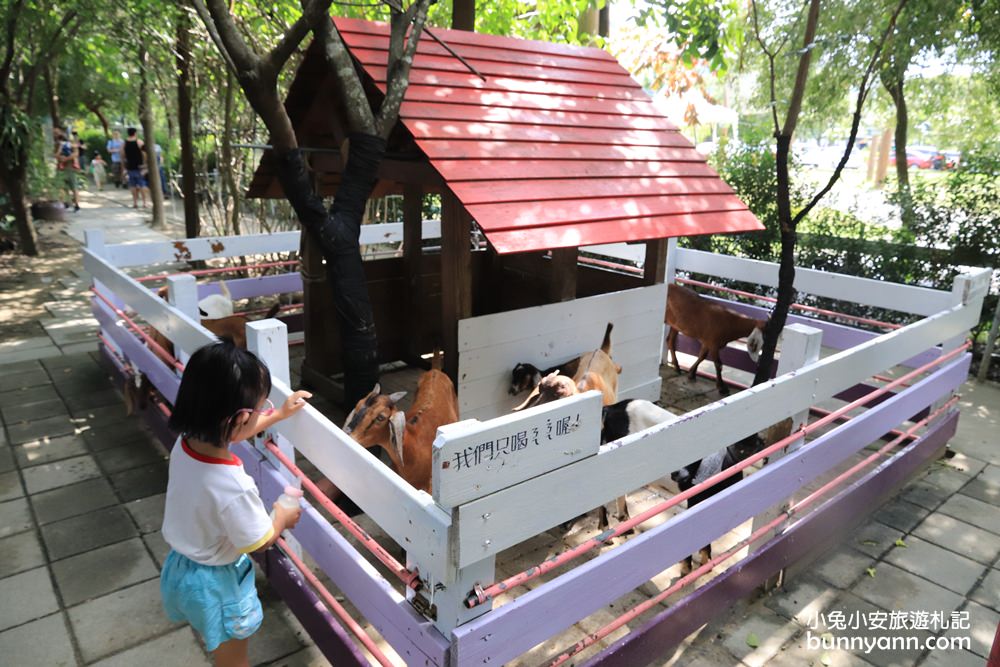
[595,370]
[623,418]
[711,325]
[234,327]
[213,306]
[699,471]
[376,421]
[526,376]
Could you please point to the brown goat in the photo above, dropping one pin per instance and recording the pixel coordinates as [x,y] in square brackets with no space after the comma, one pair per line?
[376,421]
[712,325]
[596,370]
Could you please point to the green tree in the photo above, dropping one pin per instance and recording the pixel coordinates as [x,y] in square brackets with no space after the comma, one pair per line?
[34,33]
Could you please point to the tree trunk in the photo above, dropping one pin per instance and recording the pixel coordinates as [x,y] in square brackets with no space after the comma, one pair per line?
[894,86]
[786,267]
[51,80]
[95,109]
[337,231]
[463,15]
[226,167]
[148,132]
[895,90]
[189,189]
[16,180]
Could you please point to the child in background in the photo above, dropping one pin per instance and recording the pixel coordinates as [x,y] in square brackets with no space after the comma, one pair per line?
[98,169]
[213,515]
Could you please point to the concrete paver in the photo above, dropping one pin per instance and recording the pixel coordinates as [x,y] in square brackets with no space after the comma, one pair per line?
[983,627]
[42,642]
[87,531]
[73,500]
[46,450]
[14,516]
[49,476]
[937,564]
[20,552]
[32,591]
[179,648]
[103,570]
[10,486]
[894,588]
[961,506]
[119,620]
[960,537]
[147,513]
[988,591]
[900,514]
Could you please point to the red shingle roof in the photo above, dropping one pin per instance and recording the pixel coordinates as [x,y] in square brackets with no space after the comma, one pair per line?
[558,147]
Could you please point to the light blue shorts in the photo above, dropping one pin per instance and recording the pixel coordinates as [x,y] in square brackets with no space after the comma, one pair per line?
[219,601]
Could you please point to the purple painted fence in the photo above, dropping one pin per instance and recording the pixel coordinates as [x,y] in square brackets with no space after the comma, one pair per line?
[816,532]
[515,627]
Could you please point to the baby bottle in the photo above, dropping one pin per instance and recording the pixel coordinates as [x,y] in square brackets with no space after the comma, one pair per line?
[289,499]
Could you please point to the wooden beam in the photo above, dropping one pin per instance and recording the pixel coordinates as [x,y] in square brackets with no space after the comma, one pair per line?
[456,277]
[412,251]
[655,266]
[562,275]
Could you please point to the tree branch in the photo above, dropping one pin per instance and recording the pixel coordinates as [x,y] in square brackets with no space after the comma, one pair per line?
[799,89]
[8,55]
[863,90]
[244,60]
[312,13]
[770,66]
[399,72]
[206,18]
[359,112]
[41,59]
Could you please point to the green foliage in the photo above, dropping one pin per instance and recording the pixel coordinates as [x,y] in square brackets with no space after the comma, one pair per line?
[14,135]
[704,30]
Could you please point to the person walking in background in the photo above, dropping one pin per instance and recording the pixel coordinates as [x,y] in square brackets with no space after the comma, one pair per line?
[134,159]
[98,170]
[114,147]
[67,165]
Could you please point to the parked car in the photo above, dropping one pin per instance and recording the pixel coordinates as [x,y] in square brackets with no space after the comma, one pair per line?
[921,157]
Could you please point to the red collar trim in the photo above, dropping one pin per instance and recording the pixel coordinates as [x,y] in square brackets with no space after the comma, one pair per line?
[235,461]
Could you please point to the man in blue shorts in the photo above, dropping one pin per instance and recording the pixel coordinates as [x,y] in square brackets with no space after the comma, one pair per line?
[134,158]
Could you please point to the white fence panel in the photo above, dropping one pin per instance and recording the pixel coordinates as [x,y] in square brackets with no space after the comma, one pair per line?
[473,459]
[490,346]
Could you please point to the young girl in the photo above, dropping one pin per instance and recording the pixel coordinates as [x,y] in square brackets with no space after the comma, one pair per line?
[98,169]
[214,516]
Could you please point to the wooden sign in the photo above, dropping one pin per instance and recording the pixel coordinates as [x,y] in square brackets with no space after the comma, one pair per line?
[473,459]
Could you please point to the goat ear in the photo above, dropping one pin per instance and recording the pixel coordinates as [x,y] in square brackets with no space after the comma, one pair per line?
[396,397]
[376,390]
[397,424]
[755,343]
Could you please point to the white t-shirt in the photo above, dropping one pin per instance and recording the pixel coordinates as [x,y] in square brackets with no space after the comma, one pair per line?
[213,512]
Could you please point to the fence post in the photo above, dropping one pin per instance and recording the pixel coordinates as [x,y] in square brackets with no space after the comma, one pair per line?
[182,294]
[268,339]
[800,346]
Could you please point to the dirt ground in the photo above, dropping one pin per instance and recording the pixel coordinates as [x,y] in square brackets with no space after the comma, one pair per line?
[28,283]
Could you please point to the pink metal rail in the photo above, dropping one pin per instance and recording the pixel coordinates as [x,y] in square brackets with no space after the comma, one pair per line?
[224,269]
[409,578]
[337,608]
[153,345]
[481,595]
[796,508]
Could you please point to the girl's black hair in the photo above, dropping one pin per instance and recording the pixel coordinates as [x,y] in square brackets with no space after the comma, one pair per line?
[219,380]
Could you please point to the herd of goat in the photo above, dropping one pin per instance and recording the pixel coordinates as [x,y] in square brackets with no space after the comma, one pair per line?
[407,438]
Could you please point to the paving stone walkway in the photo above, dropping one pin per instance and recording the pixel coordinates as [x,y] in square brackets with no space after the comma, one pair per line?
[81,500]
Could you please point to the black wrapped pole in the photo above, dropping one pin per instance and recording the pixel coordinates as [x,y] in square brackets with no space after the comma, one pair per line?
[337,232]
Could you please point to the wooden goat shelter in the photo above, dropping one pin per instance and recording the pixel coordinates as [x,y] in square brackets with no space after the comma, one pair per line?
[555,150]
[536,150]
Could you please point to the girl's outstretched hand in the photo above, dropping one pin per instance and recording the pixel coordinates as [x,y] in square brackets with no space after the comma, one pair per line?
[295,402]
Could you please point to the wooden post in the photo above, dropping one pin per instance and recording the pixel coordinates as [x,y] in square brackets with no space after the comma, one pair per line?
[874,147]
[883,157]
[562,275]
[182,293]
[655,266]
[800,346]
[412,263]
[456,277]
